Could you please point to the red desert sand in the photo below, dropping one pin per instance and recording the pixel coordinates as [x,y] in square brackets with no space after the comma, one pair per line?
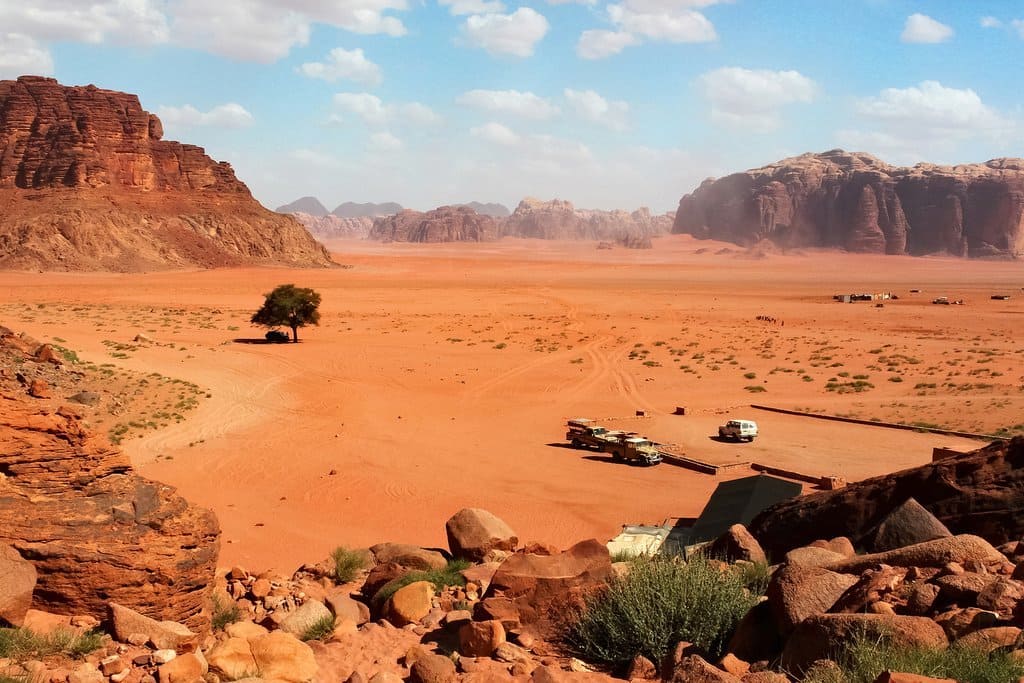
[441,376]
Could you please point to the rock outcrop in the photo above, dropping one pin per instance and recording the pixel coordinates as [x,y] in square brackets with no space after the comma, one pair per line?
[306,205]
[979,493]
[87,183]
[854,201]
[331,227]
[366,210]
[560,220]
[444,224]
[492,209]
[95,531]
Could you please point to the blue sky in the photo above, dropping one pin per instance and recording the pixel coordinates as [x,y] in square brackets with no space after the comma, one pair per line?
[610,104]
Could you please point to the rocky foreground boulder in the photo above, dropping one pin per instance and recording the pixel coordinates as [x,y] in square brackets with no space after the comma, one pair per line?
[980,493]
[95,531]
[88,183]
[854,201]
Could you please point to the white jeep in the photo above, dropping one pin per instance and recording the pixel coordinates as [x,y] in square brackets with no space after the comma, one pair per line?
[738,430]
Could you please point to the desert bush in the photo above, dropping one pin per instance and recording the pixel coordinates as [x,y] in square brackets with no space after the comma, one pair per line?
[348,563]
[661,602]
[755,388]
[224,613]
[319,629]
[21,643]
[449,575]
[864,658]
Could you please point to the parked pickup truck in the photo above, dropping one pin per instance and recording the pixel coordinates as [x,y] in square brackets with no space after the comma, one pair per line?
[585,433]
[738,430]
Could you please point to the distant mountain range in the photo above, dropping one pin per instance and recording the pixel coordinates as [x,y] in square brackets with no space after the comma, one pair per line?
[314,207]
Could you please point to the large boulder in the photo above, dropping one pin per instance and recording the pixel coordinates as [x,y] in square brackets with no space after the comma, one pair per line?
[538,589]
[980,493]
[694,669]
[163,635]
[408,556]
[737,544]
[95,531]
[826,635]
[232,659]
[960,549]
[796,593]
[473,532]
[304,617]
[17,581]
[279,655]
[410,603]
[908,524]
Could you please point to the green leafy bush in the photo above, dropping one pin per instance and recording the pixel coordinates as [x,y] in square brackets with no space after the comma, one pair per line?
[224,613]
[319,629]
[21,644]
[449,575]
[661,602]
[348,563]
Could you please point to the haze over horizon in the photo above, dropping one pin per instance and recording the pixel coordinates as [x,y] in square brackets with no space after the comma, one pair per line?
[606,104]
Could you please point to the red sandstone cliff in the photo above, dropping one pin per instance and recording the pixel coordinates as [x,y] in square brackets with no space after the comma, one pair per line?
[853,201]
[87,183]
[331,227]
[560,220]
[444,224]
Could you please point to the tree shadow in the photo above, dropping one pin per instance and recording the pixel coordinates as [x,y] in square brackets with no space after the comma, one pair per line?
[256,340]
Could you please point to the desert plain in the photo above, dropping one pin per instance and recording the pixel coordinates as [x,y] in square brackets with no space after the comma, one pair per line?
[441,376]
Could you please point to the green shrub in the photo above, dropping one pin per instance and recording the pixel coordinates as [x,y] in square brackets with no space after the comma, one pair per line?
[319,629]
[348,563]
[750,375]
[224,614]
[20,643]
[449,575]
[661,602]
[755,388]
[865,658]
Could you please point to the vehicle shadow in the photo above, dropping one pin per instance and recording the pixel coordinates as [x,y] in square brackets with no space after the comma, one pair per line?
[562,444]
[607,459]
[722,439]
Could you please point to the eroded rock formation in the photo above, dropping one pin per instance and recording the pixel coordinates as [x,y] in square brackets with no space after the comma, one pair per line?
[331,227]
[978,493]
[853,201]
[444,224]
[96,531]
[87,183]
[560,220]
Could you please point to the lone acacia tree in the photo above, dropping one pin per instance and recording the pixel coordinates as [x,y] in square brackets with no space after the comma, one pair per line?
[289,306]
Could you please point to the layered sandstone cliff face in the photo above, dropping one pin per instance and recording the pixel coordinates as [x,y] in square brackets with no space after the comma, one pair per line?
[331,227]
[96,531]
[856,202]
[87,183]
[560,220]
[444,224]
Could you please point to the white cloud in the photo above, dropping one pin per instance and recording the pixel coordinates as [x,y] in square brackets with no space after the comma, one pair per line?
[350,65]
[314,158]
[927,121]
[752,98]
[513,34]
[920,28]
[681,26]
[591,106]
[266,30]
[20,55]
[522,104]
[599,43]
[1018,26]
[384,142]
[460,7]
[373,111]
[86,21]
[496,133]
[369,108]
[990,22]
[230,115]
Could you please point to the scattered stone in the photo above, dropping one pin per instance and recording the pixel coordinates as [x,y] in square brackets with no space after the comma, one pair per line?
[641,668]
[922,598]
[694,669]
[480,638]
[812,556]
[282,656]
[408,556]
[38,388]
[168,635]
[432,668]
[187,668]
[410,603]
[734,665]
[737,544]
[473,532]
[345,607]
[162,656]
[796,593]
[1001,595]
[961,621]
[85,398]
[86,673]
[305,616]
[989,639]
[937,553]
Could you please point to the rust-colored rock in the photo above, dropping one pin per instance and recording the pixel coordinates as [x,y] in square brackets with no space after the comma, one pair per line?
[17,581]
[87,183]
[443,224]
[940,552]
[96,531]
[908,524]
[737,544]
[331,227]
[472,533]
[796,593]
[853,201]
[539,589]
[981,493]
[560,220]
